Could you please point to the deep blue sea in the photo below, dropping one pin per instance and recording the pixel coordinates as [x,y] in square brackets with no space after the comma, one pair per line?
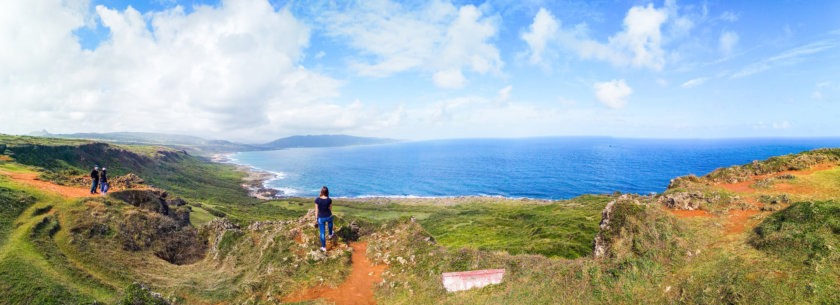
[545,168]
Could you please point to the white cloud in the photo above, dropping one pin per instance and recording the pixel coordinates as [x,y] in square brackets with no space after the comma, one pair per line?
[613,93]
[217,71]
[782,125]
[816,95]
[662,82]
[788,57]
[542,30]
[727,41]
[504,95]
[639,44]
[437,37]
[695,82]
[449,79]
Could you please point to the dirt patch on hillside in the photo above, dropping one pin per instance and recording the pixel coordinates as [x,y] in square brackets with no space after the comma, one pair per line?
[5,158]
[737,220]
[744,186]
[32,179]
[793,188]
[357,289]
[691,213]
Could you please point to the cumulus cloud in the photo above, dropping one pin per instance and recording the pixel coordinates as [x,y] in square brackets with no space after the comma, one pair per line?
[695,82]
[217,71]
[437,37]
[727,41]
[613,93]
[542,30]
[639,44]
[449,79]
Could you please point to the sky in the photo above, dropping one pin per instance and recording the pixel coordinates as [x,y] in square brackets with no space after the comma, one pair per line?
[256,70]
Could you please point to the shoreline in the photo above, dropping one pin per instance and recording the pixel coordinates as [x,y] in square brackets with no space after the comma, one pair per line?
[256,179]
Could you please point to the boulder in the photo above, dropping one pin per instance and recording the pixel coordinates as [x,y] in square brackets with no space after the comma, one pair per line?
[683,200]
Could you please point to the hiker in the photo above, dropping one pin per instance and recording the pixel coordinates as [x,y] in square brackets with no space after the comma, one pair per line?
[94,175]
[103,181]
[324,206]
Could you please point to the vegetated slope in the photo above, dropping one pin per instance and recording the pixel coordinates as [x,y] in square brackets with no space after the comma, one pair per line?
[201,146]
[195,145]
[215,187]
[648,251]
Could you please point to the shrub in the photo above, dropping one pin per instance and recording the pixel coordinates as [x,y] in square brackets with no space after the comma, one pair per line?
[803,232]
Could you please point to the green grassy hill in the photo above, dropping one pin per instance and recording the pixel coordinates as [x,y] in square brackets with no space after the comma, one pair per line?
[767,239]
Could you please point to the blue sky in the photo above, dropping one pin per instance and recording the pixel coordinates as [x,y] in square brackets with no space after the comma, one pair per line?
[253,70]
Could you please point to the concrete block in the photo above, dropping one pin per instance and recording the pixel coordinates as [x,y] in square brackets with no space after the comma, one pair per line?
[457,281]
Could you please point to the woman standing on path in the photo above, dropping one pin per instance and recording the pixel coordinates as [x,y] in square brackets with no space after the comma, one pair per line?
[324,205]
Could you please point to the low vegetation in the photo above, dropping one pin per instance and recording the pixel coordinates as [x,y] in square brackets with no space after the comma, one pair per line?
[204,241]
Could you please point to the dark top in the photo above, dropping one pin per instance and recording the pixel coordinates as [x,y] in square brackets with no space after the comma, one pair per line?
[103,177]
[323,207]
[94,175]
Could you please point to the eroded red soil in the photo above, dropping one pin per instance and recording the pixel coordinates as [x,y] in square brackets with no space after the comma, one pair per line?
[356,290]
[32,179]
[744,186]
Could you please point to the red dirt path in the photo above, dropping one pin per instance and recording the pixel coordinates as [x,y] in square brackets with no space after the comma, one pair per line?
[32,179]
[356,290]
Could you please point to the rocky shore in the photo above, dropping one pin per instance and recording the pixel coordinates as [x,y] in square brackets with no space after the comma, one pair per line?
[255,180]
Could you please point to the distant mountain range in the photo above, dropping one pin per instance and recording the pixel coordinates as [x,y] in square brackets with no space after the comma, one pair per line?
[201,146]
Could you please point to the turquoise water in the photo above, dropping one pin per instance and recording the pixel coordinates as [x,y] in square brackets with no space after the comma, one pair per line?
[546,168]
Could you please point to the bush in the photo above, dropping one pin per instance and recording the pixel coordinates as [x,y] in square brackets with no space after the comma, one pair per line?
[803,232]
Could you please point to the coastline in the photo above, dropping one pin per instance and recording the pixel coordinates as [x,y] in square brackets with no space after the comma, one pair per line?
[255,178]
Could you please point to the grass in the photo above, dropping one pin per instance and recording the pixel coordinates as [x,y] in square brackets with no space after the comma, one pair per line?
[12,204]
[806,231]
[562,229]
[33,268]
[57,250]
[529,279]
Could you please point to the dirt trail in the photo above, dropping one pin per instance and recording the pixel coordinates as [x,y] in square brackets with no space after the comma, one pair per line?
[32,179]
[356,290]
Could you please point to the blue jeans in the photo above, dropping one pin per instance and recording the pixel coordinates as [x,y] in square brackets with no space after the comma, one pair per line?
[321,222]
[93,188]
[104,187]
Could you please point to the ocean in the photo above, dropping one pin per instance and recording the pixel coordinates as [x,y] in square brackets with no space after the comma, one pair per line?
[542,168]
